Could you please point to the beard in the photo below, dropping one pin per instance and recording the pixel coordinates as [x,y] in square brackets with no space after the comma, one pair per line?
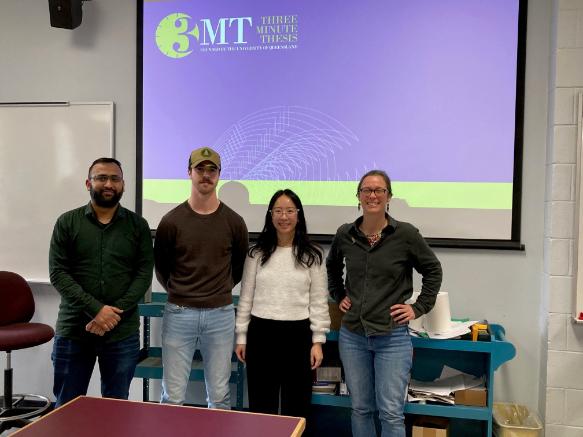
[105,202]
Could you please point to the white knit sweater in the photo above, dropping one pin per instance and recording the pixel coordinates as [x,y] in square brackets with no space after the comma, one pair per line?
[283,290]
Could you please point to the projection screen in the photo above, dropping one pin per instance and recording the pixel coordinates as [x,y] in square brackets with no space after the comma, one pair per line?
[311,94]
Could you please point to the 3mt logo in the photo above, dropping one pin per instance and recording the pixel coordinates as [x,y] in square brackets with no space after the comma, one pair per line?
[178,33]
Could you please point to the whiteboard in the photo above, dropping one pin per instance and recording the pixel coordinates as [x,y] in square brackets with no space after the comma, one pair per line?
[45,152]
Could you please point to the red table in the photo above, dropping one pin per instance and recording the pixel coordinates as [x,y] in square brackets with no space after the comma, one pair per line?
[98,417]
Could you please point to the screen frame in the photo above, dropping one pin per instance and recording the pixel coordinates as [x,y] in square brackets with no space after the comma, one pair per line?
[514,243]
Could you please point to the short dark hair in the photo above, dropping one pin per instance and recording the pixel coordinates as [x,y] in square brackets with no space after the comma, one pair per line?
[380,173]
[306,252]
[104,161]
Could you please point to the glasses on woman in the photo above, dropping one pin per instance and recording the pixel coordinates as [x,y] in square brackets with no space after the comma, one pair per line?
[279,212]
[369,191]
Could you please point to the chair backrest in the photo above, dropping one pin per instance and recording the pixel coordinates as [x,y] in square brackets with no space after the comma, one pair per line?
[16,300]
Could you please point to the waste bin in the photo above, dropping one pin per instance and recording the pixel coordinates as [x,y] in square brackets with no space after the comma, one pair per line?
[513,420]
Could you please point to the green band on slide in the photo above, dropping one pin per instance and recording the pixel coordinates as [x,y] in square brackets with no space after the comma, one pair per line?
[467,195]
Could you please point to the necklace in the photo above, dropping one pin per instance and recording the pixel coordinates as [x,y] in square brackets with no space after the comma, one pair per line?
[374,237]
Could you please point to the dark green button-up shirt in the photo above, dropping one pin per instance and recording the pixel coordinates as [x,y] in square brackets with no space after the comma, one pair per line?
[92,265]
[380,276]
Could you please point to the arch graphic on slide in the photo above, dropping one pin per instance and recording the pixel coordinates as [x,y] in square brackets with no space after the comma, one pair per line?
[284,143]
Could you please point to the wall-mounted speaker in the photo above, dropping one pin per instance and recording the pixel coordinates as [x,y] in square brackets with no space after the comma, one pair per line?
[66,14]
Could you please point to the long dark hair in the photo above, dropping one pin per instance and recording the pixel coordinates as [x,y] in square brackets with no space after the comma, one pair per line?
[305,251]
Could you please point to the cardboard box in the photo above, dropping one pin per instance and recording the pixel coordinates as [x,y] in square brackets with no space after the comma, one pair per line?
[477,397]
[427,426]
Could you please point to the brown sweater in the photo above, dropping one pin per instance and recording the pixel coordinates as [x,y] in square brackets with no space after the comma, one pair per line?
[199,258]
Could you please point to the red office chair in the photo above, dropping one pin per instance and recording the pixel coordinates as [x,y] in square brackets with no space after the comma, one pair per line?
[16,310]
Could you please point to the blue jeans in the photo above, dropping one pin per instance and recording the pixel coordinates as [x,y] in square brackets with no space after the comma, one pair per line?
[184,330]
[73,362]
[377,371]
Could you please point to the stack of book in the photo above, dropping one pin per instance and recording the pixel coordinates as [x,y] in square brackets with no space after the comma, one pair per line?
[325,388]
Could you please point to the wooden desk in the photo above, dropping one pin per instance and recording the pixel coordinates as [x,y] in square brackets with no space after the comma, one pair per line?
[96,417]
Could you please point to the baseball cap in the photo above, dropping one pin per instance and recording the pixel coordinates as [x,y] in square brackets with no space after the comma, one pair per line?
[204,154]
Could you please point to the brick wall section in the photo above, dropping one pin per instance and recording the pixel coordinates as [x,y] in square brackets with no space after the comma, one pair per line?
[564,394]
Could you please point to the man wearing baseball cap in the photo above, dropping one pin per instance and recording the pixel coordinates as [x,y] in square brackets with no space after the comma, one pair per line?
[198,156]
[199,252]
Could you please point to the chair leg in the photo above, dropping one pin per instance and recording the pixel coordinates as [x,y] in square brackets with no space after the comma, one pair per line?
[8,385]
[24,407]
[16,409]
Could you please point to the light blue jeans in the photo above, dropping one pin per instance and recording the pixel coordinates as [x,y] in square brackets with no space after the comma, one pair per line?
[212,331]
[377,371]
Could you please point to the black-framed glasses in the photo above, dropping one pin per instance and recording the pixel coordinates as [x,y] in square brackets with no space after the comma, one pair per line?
[213,170]
[369,191]
[103,178]
[279,212]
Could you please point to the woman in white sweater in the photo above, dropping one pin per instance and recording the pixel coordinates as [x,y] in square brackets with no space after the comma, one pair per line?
[282,316]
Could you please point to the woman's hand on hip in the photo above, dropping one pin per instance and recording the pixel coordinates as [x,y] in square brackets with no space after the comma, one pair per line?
[402,313]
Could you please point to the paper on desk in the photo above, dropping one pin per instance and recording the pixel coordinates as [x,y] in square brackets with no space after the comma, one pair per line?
[450,380]
[448,372]
[468,381]
[424,397]
[456,329]
[442,387]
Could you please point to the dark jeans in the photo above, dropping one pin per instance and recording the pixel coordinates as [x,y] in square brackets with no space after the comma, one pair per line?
[73,361]
[278,358]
